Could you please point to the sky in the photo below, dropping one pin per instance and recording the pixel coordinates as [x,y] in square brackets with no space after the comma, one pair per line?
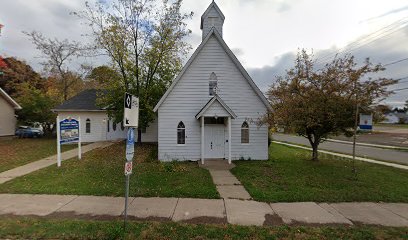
[265,35]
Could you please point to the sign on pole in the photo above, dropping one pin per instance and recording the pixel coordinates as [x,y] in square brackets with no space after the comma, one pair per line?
[128,168]
[131,120]
[130,144]
[366,122]
[68,131]
[131,112]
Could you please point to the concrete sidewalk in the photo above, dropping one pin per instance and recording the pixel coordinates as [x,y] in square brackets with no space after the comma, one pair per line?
[233,211]
[43,163]
[228,186]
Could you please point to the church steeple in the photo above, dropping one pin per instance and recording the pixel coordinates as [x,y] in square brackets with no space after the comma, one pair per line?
[212,17]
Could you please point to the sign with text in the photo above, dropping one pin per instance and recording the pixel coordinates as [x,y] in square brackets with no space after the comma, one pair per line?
[130,144]
[128,168]
[131,112]
[69,130]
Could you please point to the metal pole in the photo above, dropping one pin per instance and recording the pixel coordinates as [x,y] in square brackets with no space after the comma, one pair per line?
[354,137]
[126,202]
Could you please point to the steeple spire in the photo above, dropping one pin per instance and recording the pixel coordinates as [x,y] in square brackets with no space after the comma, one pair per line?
[212,18]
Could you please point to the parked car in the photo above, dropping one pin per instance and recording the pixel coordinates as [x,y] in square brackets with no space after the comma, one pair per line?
[31,132]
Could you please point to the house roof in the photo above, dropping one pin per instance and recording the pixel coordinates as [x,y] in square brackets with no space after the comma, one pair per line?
[9,99]
[210,102]
[213,4]
[234,59]
[83,101]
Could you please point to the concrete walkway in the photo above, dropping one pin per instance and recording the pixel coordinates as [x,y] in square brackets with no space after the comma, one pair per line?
[43,163]
[233,211]
[228,186]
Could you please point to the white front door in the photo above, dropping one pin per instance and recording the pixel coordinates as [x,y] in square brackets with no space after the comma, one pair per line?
[214,139]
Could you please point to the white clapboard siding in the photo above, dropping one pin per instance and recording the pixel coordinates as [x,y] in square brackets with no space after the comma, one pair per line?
[190,94]
[8,118]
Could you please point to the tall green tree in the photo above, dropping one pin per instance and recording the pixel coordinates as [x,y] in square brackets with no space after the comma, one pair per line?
[144,40]
[316,103]
[36,105]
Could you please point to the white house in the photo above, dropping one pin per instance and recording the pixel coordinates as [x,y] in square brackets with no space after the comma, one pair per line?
[212,109]
[8,118]
[95,123]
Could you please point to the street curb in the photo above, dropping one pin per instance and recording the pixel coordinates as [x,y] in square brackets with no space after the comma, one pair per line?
[367,144]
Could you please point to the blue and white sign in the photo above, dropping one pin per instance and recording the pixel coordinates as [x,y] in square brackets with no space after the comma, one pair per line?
[366,122]
[69,130]
[130,144]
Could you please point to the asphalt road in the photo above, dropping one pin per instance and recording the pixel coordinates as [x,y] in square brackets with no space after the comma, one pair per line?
[387,155]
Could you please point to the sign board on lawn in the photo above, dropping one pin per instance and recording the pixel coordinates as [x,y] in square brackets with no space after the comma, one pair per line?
[69,130]
[130,144]
[366,122]
[131,112]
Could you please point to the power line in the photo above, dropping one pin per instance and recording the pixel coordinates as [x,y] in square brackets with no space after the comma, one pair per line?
[370,38]
[395,62]
[400,89]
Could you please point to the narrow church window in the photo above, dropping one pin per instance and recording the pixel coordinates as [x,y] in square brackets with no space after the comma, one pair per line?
[88,126]
[212,86]
[244,132]
[181,133]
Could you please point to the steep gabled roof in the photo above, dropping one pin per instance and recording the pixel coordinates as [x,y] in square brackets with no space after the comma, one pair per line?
[9,99]
[83,101]
[210,102]
[213,4]
[234,60]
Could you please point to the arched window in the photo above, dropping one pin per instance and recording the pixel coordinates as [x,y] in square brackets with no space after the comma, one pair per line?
[245,132]
[114,126]
[181,133]
[88,125]
[212,84]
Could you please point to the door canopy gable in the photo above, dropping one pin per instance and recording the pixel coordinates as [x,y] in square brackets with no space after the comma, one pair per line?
[211,108]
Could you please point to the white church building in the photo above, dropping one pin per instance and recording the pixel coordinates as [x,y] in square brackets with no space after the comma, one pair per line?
[212,109]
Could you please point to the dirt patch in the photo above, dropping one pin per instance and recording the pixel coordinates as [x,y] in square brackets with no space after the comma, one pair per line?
[272,220]
[211,220]
[72,214]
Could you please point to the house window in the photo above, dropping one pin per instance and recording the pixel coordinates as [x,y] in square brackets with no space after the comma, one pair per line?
[88,126]
[108,126]
[244,132]
[212,84]
[114,126]
[121,126]
[181,133]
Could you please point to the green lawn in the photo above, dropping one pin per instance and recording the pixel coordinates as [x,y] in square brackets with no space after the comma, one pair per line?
[17,152]
[101,172]
[289,176]
[390,125]
[36,228]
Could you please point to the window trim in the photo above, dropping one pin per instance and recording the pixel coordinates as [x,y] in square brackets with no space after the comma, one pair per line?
[87,121]
[181,126]
[243,128]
